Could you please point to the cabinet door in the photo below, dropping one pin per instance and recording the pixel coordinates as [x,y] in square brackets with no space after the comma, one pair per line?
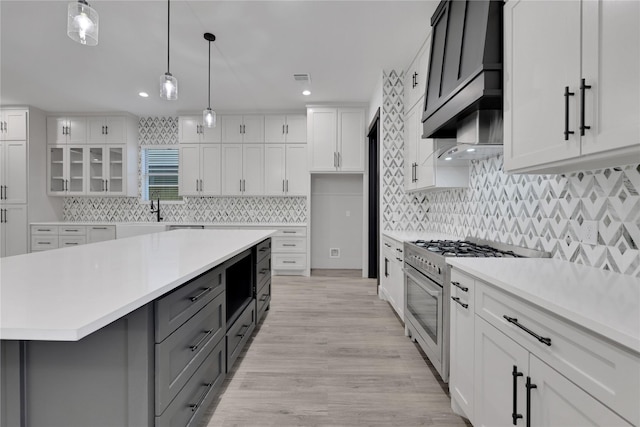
[275,169]
[231,169]
[211,135]
[396,286]
[297,173]
[97,183]
[416,76]
[15,122]
[542,57]
[556,401]
[210,158]
[100,233]
[115,171]
[253,129]
[188,129]
[56,130]
[115,130]
[77,130]
[461,384]
[323,136]
[14,171]
[274,129]
[231,128]
[495,357]
[56,165]
[253,169]
[410,146]
[77,159]
[351,140]
[425,159]
[13,239]
[611,66]
[296,128]
[96,131]
[189,179]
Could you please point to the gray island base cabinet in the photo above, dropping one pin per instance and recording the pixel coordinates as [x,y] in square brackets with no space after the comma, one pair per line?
[159,365]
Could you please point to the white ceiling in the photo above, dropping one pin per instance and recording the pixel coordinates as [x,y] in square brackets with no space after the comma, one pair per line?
[343,45]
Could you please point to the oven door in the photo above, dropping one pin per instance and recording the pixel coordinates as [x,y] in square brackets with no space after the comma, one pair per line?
[425,312]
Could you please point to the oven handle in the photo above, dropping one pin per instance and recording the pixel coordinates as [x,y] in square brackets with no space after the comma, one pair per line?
[435,294]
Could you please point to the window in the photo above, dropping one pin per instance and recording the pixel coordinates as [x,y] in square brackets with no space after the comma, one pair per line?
[160,173]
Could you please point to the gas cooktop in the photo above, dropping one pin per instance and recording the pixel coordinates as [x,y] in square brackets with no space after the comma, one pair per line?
[463,248]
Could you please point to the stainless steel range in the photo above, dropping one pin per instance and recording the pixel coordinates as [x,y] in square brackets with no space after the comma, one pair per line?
[427,289]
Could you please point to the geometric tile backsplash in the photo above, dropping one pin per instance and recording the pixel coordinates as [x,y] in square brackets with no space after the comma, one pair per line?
[535,211]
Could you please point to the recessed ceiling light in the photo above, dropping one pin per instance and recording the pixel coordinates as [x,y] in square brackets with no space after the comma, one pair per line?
[306,92]
[144,94]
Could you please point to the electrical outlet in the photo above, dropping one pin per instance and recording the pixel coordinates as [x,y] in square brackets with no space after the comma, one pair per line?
[334,252]
[590,232]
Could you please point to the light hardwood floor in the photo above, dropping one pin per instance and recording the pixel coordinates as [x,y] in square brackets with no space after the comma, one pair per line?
[330,353]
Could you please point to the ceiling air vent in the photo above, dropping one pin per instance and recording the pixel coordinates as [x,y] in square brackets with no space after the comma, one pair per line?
[302,78]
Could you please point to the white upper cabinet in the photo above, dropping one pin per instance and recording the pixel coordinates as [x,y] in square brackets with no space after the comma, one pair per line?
[281,128]
[572,86]
[66,130]
[191,130]
[243,169]
[106,130]
[242,128]
[415,76]
[13,125]
[336,139]
[200,173]
[286,171]
[13,172]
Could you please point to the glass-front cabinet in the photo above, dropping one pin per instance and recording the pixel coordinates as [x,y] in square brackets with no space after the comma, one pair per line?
[106,173]
[66,170]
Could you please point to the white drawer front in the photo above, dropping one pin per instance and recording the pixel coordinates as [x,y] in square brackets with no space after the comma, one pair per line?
[50,230]
[44,243]
[65,241]
[610,374]
[292,231]
[70,230]
[289,261]
[289,244]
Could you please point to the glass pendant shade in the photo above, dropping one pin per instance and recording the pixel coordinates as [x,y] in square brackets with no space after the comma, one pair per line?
[209,118]
[82,23]
[168,87]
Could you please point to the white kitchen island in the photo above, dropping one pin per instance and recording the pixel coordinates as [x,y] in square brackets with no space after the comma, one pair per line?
[91,334]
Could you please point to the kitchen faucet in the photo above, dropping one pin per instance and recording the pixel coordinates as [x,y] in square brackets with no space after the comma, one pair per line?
[156,210]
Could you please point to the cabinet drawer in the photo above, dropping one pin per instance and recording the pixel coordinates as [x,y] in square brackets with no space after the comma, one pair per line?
[263,271]
[195,397]
[175,308]
[43,243]
[41,230]
[291,232]
[178,356]
[289,244]
[71,230]
[263,249]
[607,372]
[289,261]
[240,332]
[66,241]
[263,299]
[462,287]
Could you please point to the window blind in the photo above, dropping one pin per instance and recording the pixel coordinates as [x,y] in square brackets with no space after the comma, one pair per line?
[161,173]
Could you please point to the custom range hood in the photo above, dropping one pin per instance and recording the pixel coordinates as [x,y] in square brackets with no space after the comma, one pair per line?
[463,98]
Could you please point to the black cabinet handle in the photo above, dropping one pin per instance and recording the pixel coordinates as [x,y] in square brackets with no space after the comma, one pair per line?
[195,346]
[540,338]
[456,299]
[243,333]
[200,295]
[195,406]
[514,414]
[386,267]
[415,80]
[567,132]
[264,297]
[583,87]
[459,286]
[529,386]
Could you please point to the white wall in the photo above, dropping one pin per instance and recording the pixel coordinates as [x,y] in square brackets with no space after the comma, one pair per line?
[375,101]
[336,220]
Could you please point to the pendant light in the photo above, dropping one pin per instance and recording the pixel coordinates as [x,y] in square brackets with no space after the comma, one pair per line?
[208,115]
[82,23]
[168,83]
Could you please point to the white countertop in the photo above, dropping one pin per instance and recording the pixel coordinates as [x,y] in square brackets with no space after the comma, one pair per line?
[167,223]
[66,294]
[604,302]
[409,236]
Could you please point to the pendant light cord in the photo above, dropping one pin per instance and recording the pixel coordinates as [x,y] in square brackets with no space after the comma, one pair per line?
[168,31]
[209,74]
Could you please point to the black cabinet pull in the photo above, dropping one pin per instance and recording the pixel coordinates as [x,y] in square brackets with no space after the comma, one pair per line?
[386,267]
[456,299]
[542,339]
[264,297]
[200,295]
[415,80]
[583,87]
[243,333]
[195,406]
[459,286]
[514,414]
[567,132]
[529,386]
[195,346]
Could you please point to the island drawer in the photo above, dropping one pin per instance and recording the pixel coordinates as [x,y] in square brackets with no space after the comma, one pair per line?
[607,372]
[72,230]
[43,243]
[263,299]
[178,356]
[65,241]
[191,403]
[263,249]
[44,230]
[175,308]
[263,271]
[240,332]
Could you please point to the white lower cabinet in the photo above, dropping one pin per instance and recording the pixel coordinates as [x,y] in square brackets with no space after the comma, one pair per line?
[528,367]
[391,275]
[47,236]
[289,251]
